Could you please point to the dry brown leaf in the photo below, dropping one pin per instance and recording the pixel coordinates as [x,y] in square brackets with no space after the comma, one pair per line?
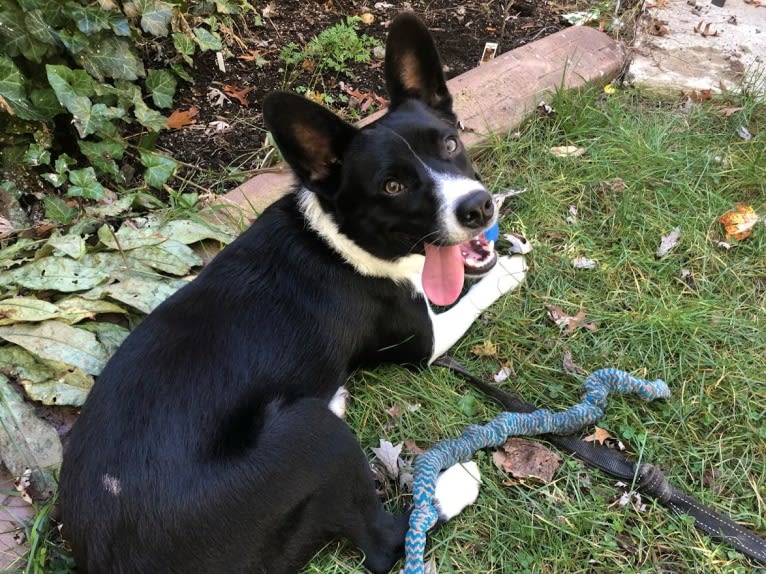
[569,322]
[570,366]
[728,112]
[739,222]
[599,435]
[413,447]
[239,94]
[524,458]
[658,27]
[6,107]
[6,227]
[181,118]
[567,151]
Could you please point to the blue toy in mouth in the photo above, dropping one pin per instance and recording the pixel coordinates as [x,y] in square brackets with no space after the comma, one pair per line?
[493,232]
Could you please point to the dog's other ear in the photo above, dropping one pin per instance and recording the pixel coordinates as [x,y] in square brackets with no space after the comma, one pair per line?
[311,138]
[413,67]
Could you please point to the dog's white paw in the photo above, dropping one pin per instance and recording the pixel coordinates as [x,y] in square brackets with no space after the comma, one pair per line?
[339,402]
[456,488]
[507,274]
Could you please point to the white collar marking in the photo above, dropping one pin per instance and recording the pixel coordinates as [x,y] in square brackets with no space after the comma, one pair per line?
[408,268]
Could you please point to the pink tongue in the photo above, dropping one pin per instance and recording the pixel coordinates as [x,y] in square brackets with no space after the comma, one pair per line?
[443,274]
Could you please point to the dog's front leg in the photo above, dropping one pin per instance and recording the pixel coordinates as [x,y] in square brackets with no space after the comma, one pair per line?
[448,327]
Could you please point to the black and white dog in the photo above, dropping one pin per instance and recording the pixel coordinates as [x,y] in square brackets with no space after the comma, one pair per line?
[213,440]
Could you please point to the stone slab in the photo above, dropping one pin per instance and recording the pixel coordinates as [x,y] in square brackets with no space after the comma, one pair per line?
[491,99]
[729,43]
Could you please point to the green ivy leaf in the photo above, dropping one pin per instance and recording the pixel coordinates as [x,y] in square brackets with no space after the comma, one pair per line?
[159,168]
[45,102]
[74,41]
[207,40]
[89,19]
[39,27]
[37,155]
[14,35]
[181,72]
[119,24]
[162,85]
[111,57]
[84,184]
[185,45]
[12,89]
[56,180]
[101,156]
[155,16]
[148,117]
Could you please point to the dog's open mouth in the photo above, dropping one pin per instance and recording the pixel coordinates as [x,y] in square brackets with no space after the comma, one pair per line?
[447,265]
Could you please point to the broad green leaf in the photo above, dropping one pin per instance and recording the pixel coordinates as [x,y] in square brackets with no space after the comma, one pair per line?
[26,309]
[56,180]
[50,382]
[188,231]
[112,57]
[140,291]
[56,274]
[101,155]
[58,341]
[129,237]
[15,254]
[162,85]
[84,184]
[169,256]
[75,309]
[155,17]
[207,40]
[111,209]
[70,245]
[27,441]
[12,89]
[109,335]
[159,168]
[56,208]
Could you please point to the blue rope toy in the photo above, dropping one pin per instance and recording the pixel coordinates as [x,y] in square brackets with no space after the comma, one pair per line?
[452,451]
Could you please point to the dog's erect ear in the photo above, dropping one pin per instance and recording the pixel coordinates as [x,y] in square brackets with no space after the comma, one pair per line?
[311,138]
[413,66]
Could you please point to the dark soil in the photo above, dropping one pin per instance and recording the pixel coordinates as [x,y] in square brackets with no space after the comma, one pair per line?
[461,30]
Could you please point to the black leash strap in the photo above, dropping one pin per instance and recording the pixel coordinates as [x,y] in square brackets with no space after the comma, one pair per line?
[649,479]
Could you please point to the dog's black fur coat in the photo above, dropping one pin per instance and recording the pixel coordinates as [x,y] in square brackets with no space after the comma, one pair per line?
[207,444]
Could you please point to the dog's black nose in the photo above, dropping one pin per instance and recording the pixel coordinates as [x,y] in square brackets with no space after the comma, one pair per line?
[476,209]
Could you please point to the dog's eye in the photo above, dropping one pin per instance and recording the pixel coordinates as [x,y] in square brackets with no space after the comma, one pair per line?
[393,187]
[451,144]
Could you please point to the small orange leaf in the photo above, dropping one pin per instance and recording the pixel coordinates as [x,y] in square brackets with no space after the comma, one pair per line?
[238,94]
[599,435]
[250,56]
[181,118]
[739,222]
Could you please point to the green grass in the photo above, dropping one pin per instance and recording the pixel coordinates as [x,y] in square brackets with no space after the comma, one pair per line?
[706,339]
[678,168]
